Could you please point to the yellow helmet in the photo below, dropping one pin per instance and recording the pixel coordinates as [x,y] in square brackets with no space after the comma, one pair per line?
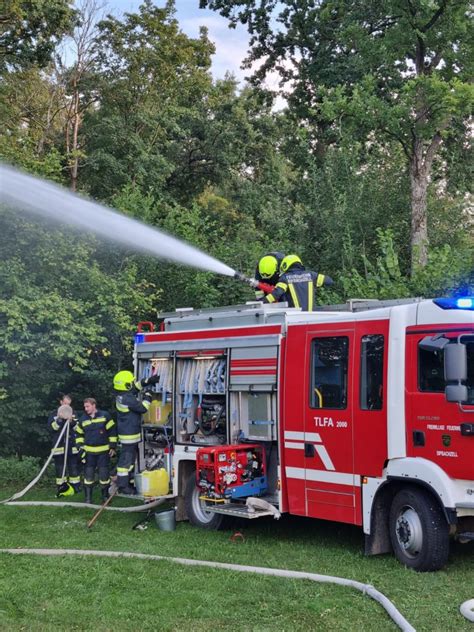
[268,266]
[123,381]
[288,261]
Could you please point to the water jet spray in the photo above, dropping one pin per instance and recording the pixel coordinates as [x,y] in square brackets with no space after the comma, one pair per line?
[33,195]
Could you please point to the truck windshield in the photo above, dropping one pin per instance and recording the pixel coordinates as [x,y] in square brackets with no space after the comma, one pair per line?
[431,370]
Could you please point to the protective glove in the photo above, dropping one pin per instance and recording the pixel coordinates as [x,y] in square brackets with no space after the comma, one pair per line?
[150,381]
[148,396]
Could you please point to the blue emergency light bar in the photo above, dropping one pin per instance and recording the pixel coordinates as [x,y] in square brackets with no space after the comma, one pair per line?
[465,302]
[139,338]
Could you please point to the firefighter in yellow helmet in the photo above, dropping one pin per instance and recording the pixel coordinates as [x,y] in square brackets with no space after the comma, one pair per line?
[129,414]
[296,285]
[268,270]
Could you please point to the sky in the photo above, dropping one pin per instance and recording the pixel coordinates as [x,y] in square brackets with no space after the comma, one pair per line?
[231,44]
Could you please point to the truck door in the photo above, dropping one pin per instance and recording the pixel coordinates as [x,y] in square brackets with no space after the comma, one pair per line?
[330,485]
[433,423]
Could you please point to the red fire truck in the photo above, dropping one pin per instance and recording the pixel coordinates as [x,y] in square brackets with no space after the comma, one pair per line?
[362,414]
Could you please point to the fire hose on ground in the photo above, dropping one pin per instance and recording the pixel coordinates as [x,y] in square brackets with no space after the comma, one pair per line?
[366,589]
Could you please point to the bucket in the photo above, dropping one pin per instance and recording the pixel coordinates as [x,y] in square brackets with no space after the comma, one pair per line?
[166,520]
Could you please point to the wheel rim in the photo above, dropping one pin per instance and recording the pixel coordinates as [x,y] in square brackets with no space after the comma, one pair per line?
[409,531]
[199,508]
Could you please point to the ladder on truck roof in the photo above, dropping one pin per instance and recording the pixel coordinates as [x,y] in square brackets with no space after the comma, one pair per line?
[364,304]
[352,305]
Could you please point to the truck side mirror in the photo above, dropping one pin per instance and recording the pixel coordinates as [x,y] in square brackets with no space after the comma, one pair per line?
[455,363]
[456,393]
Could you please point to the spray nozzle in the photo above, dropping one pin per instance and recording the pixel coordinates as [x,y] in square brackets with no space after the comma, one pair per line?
[258,285]
[248,280]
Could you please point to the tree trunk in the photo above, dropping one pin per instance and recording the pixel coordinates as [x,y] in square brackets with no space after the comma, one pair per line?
[419,179]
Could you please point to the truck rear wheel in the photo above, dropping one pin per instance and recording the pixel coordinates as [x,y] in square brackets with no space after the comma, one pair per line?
[419,531]
[196,510]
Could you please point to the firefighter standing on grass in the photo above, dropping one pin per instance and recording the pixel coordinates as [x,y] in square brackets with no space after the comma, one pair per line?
[71,481]
[96,434]
[296,285]
[129,416]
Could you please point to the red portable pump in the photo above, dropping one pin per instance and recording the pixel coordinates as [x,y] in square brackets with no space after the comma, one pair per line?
[232,471]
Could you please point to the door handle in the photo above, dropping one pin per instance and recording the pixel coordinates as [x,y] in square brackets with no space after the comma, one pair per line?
[309,449]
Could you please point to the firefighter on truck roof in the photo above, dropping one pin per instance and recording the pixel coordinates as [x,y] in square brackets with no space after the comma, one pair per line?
[129,415]
[268,271]
[296,285]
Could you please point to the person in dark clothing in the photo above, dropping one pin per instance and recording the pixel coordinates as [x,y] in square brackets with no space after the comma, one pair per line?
[70,482]
[96,434]
[268,271]
[296,285]
[129,419]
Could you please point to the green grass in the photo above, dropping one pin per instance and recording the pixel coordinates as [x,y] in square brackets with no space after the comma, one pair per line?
[79,593]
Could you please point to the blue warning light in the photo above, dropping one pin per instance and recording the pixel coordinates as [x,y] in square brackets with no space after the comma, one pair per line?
[139,338]
[464,302]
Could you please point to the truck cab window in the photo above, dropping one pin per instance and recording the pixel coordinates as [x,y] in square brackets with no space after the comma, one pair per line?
[371,372]
[469,342]
[329,364]
[431,371]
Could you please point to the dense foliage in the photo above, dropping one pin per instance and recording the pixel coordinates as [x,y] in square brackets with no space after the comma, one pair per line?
[137,121]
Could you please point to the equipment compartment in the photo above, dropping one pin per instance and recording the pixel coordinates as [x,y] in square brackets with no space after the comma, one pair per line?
[157,430]
[201,401]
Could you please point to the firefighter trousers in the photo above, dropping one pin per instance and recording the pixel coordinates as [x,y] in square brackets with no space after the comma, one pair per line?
[71,474]
[101,462]
[126,463]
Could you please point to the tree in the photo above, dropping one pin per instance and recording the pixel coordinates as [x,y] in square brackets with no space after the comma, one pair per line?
[149,78]
[68,310]
[397,68]
[30,31]
[79,81]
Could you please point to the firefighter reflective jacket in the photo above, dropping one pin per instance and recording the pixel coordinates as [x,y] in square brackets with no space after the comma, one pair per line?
[56,424]
[297,287]
[129,416]
[96,433]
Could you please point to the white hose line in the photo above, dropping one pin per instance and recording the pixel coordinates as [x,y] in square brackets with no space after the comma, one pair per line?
[45,503]
[467,609]
[366,589]
[41,472]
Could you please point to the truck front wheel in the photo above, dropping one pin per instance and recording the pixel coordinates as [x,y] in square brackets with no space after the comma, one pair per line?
[196,510]
[419,531]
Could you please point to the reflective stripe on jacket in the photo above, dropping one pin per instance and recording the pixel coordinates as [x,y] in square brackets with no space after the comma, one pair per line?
[96,434]
[297,287]
[129,416]
[56,424]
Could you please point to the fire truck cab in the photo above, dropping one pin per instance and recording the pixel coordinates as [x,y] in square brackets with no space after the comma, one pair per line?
[362,413]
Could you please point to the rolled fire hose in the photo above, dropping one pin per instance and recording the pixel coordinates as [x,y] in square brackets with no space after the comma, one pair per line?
[366,589]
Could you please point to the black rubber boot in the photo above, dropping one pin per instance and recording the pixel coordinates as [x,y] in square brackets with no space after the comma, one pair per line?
[88,493]
[105,493]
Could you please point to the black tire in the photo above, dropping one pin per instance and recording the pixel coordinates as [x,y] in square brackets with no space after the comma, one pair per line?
[196,508]
[418,530]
